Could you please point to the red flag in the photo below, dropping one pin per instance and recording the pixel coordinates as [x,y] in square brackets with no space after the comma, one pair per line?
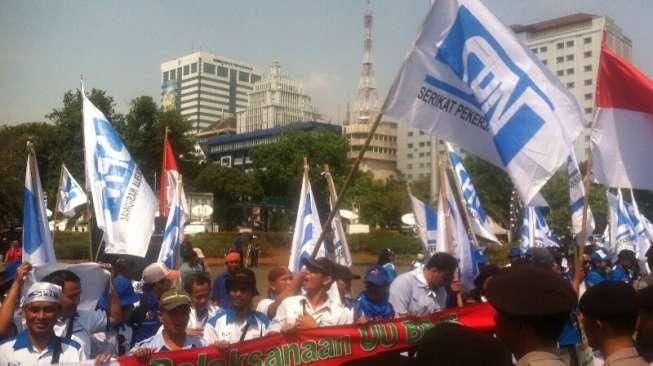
[167,181]
[622,138]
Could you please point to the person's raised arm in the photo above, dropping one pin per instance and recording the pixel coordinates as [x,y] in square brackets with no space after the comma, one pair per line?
[9,305]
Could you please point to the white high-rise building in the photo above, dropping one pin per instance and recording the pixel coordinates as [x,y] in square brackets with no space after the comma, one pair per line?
[276,101]
[206,87]
[570,46]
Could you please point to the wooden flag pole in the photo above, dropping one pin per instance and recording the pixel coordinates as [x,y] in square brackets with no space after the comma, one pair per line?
[447,223]
[54,211]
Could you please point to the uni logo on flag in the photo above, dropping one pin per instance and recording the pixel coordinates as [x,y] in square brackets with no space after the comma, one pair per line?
[511,102]
[115,168]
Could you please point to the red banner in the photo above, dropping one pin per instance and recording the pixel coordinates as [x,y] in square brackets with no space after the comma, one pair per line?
[328,346]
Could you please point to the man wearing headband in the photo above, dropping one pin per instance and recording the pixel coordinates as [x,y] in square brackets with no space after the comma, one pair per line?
[37,344]
[219,294]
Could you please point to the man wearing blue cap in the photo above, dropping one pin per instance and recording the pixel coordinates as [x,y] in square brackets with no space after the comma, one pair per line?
[599,268]
[373,303]
[127,298]
[626,267]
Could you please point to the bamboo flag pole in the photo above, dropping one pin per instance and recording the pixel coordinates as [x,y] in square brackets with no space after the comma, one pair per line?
[349,177]
[54,211]
[447,222]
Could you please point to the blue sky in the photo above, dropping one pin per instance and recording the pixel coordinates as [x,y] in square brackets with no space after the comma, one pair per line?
[119,45]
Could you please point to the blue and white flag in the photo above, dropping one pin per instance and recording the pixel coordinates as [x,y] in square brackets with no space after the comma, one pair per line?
[479,220]
[535,231]
[639,225]
[173,234]
[577,199]
[123,202]
[307,228]
[70,195]
[468,80]
[462,245]
[426,220]
[341,254]
[37,239]
[622,231]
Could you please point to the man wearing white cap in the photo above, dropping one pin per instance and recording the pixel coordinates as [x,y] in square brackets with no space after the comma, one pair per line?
[157,279]
[37,344]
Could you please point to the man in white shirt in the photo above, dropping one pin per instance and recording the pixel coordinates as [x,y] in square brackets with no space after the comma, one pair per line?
[38,344]
[422,290]
[77,324]
[280,280]
[174,310]
[314,308]
[198,286]
[240,322]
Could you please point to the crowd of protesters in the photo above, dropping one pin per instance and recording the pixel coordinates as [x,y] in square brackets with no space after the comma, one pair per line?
[539,317]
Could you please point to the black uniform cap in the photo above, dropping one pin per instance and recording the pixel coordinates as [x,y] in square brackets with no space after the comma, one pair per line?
[609,299]
[529,291]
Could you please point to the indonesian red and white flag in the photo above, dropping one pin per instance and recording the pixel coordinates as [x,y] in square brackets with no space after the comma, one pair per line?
[622,138]
[169,177]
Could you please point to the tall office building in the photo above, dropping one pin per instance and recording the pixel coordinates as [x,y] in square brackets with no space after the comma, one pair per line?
[381,155]
[206,87]
[570,46]
[276,101]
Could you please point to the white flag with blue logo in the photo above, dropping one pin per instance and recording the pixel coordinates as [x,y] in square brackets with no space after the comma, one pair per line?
[426,220]
[70,195]
[468,80]
[535,231]
[173,234]
[123,202]
[37,239]
[639,225]
[462,245]
[479,220]
[307,228]
[342,255]
[577,198]
[622,231]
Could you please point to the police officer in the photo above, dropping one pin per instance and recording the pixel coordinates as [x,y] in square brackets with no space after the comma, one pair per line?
[532,305]
[608,312]
[37,344]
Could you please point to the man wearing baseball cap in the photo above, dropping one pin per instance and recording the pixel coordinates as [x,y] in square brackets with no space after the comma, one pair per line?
[157,279]
[127,298]
[625,269]
[372,303]
[173,313]
[314,308]
[37,344]
[599,268]
[240,322]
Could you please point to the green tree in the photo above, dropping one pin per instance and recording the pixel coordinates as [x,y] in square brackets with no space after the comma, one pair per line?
[232,189]
[493,187]
[381,204]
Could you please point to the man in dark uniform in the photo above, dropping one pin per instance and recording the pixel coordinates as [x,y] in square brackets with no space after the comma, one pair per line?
[532,307]
[609,314]
[644,338]
[625,269]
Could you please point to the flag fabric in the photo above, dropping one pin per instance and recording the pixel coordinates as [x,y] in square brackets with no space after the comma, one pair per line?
[639,225]
[426,220]
[622,231]
[37,238]
[479,220]
[173,234]
[535,231]
[462,245]
[342,255]
[577,198]
[123,202]
[169,178]
[468,80]
[70,194]
[621,137]
[307,228]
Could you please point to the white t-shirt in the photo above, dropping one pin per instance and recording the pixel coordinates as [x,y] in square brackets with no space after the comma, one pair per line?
[327,314]
[264,305]
[231,330]
[18,351]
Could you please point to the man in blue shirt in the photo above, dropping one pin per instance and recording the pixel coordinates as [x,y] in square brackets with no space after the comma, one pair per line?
[599,268]
[219,293]
[624,269]
[157,279]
